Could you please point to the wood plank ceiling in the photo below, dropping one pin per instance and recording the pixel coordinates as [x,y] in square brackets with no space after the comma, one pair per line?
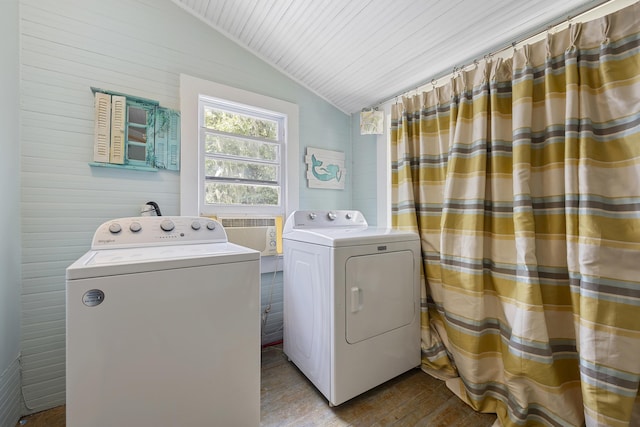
[358,53]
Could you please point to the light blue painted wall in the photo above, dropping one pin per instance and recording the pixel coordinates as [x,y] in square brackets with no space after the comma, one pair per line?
[9,217]
[364,185]
[327,136]
[140,48]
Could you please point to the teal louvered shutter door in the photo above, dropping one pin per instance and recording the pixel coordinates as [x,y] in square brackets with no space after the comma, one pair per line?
[173,153]
[167,139]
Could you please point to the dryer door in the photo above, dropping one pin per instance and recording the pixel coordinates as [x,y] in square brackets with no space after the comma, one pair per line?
[379,294]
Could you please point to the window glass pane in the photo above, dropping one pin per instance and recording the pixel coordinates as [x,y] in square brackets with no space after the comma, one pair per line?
[217,144]
[136,152]
[137,115]
[241,194]
[240,170]
[240,124]
[137,134]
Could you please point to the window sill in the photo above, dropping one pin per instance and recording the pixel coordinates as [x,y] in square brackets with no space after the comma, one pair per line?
[119,166]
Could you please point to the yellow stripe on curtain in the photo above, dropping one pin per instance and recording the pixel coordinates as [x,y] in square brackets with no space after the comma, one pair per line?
[522,178]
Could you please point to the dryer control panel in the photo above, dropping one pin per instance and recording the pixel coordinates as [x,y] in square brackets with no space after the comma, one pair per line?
[326,219]
[157,230]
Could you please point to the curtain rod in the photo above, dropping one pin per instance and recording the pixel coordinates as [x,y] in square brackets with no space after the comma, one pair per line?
[551,26]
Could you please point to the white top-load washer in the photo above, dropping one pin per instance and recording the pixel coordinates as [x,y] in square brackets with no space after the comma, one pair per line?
[351,301]
[163,327]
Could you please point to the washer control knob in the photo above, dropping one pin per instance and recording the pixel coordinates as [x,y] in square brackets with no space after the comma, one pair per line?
[331,216]
[135,227]
[115,228]
[195,225]
[167,225]
[211,225]
[312,216]
[349,215]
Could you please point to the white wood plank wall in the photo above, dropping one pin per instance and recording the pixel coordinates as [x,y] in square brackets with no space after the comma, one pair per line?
[137,47]
[67,47]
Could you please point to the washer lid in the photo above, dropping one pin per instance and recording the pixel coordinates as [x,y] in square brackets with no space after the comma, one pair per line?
[111,262]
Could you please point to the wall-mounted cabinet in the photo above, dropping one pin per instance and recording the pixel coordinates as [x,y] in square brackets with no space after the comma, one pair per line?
[134,133]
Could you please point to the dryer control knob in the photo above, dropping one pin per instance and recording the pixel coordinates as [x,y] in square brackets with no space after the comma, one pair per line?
[195,225]
[331,216]
[349,215]
[312,216]
[167,225]
[135,227]
[211,225]
[115,228]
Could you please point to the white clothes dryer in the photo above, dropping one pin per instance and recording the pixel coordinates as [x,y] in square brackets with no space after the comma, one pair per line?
[163,327]
[351,301]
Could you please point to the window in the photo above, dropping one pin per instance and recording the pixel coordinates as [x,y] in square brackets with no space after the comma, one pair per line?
[134,133]
[239,151]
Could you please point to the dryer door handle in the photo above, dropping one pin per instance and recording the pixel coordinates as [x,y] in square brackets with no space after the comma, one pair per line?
[356,299]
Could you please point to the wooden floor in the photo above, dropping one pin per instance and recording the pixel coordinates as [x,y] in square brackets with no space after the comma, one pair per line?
[289,399]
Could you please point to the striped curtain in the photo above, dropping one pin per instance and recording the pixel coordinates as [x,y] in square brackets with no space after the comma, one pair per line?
[522,177]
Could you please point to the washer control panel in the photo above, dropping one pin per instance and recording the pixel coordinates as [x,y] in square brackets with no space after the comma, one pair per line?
[157,230]
[326,219]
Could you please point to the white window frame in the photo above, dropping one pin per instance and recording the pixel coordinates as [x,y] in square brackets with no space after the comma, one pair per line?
[192,170]
[280,141]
